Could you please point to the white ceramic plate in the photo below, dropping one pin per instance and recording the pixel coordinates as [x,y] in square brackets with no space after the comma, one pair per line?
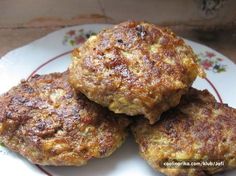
[52,53]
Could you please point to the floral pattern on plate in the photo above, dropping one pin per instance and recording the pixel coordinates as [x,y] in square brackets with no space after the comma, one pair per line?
[76,37]
[211,62]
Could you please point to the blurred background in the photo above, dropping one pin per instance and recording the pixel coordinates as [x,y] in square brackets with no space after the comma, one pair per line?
[210,22]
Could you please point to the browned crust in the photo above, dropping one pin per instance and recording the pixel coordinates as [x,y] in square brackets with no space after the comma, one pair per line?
[134,68]
[46,122]
[197,129]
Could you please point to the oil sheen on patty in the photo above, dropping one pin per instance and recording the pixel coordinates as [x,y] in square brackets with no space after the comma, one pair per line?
[198,130]
[134,68]
[45,121]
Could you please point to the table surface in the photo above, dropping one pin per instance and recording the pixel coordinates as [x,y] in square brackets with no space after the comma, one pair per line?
[28,20]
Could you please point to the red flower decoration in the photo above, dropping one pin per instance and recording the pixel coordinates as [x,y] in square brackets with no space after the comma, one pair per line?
[71,32]
[206,64]
[79,40]
[211,62]
[209,54]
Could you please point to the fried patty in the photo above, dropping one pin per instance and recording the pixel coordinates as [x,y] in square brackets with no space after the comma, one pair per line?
[198,129]
[44,120]
[134,68]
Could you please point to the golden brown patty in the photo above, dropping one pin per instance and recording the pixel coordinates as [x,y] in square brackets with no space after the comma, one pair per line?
[134,68]
[46,122]
[199,129]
